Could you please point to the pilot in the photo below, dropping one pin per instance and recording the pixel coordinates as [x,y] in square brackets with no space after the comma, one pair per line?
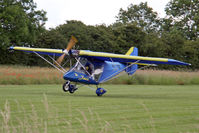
[90,68]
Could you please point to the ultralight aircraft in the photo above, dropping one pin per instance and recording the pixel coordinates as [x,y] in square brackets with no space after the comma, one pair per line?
[94,68]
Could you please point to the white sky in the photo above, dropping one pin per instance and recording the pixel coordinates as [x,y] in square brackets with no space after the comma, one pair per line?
[90,12]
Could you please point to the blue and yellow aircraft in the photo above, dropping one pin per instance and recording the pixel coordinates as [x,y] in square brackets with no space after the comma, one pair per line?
[94,68]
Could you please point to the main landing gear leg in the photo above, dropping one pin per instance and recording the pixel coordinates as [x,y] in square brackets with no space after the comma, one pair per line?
[100,91]
[69,87]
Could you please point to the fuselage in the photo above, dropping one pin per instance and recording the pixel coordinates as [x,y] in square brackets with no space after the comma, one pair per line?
[102,72]
[79,77]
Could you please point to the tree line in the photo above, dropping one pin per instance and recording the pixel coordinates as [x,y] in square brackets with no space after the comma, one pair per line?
[175,36]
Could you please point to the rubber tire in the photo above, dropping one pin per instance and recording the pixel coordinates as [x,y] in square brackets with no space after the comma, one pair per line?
[64,87]
[71,91]
[99,95]
[72,88]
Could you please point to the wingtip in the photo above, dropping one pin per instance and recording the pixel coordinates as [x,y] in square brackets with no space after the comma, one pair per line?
[11,48]
[177,62]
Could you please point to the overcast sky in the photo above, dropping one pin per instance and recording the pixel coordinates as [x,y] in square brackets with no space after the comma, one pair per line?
[90,12]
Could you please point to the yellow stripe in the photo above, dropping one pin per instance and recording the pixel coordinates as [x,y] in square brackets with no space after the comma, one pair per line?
[39,49]
[130,51]
[98,54]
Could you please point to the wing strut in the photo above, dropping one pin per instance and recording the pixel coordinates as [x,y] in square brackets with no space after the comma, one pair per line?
[63,71]
[58,65]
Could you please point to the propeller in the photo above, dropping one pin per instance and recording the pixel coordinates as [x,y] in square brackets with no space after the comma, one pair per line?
[71,43]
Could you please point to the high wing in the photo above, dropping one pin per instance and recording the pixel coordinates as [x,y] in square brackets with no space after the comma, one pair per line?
[103,56]
[56,52]
[129,59]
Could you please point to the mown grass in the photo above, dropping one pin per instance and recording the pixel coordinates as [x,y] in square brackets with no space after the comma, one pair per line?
[124,108]
[19,75]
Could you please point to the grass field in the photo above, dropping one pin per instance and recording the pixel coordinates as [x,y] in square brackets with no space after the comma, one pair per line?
[124,108]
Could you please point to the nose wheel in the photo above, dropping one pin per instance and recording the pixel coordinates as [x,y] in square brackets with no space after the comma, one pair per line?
[100,91]
[69,87]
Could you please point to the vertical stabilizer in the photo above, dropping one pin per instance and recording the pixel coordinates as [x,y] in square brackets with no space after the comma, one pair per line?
[133,51]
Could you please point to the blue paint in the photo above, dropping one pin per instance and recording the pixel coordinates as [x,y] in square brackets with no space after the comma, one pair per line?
[100,91]
[111,69]
[134,52]
[132,69]
[79,77]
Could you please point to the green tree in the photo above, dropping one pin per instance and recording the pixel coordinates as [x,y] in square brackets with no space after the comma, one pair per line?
[103,39]
[141,15]
[191,53]
[128,36]
[20,24]
[52,39]
[154,46]
[174,41]
[185,17]
[96,38]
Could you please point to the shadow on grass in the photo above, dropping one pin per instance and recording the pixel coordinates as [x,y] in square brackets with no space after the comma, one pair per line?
[126,96]
[109,95]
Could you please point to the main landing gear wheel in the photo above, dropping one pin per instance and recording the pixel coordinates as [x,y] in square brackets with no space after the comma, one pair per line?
[100,91]
[66,86]
[72,88]
[69,87]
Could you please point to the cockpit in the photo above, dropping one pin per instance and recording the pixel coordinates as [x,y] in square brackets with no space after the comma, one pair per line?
[92,69]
